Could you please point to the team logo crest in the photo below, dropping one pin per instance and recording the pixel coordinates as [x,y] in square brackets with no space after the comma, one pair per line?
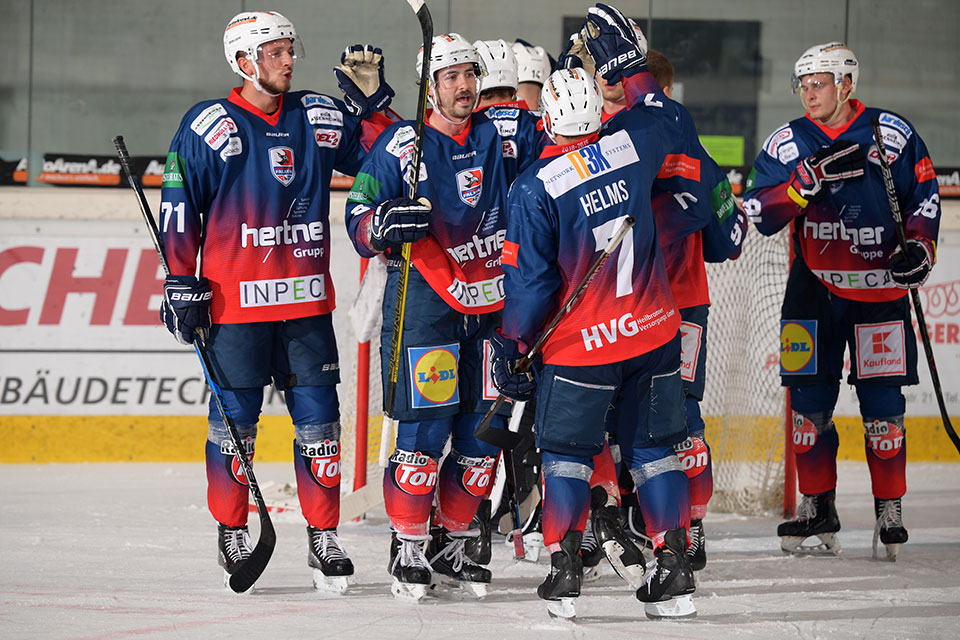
[282,165]
[470,185]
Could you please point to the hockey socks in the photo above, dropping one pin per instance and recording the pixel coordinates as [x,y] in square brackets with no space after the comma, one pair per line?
[885,443]
[815,443]
[227,489]
[318,482]
[408,487]
[694,456]
[566,495]
[463,483]
[663,491]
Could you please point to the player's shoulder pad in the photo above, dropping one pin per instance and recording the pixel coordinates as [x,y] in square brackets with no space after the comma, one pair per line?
[781,145]
[212,123]
[399,138]
[320,110]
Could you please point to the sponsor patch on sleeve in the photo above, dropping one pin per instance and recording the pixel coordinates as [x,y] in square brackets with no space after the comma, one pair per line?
[510,253]
[924,170]
[207,117]
[173,171]
[680,164]
[365,189]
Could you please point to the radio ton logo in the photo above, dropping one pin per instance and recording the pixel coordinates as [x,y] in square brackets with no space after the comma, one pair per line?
[797,351]
[435,375]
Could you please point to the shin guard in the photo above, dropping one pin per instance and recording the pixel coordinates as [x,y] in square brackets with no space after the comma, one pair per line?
[464,481]
[566,495]
[408,487]
[663,491]
[227,488]
[885,442]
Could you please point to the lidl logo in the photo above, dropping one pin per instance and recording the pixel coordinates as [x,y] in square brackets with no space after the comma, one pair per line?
[470,185]
[798,347]
[434,376]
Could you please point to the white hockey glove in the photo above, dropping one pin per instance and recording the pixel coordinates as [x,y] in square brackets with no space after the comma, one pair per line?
[360,77]
[576,55]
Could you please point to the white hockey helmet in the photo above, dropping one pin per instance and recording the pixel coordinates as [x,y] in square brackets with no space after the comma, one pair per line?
[501,64]
[533,63]
[832,57]
[448,50]
[571,103]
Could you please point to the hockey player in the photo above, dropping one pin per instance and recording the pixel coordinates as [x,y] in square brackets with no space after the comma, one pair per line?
[533,69]
[848,284]
[244,214]
[620,346]
[499,85]
[453,299]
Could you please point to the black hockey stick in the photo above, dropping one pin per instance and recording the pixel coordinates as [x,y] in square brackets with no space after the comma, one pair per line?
[508,440]
[247,573]
[914,293]
[387,427]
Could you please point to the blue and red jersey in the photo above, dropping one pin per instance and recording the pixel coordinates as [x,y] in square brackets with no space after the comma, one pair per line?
[563,211]
[846,238]
[247,194]
[466,180]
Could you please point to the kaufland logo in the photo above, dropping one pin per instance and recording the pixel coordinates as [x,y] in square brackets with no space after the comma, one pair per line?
[880,345]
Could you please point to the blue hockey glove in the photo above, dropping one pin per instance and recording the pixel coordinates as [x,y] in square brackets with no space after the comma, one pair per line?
[360,77]
[510,383]
[911,269]
[613,43]
[841,160]
[185,309]
[398,221]
[576,55]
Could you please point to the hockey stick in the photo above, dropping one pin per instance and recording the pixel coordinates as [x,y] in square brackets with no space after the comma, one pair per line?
[251,568]
[914,293]
[508,440]
[389,423]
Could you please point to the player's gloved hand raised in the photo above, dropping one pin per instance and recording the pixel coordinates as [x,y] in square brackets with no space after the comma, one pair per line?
[360,77]
[613,43]
[185,309]
[519,386]
[576,55]
[399,221]
[842,160]
[910,270]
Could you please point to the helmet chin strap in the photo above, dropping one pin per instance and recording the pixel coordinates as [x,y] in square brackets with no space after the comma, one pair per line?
[840,103]
[256,80]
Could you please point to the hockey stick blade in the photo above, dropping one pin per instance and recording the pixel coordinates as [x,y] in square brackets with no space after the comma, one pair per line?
[251,569]
[914,293]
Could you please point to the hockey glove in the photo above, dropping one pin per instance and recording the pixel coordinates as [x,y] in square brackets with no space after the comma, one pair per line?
[576,55]
[841,160]
[910,270]
[519,386]
[613,43]
[185,309]
[360,77]
[398,221]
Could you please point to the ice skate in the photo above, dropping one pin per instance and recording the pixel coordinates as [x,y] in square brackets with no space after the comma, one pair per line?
[667,592]
[331,566]
[532,535]
[562,586]
[816,516]
[478,548]
[622,553]
[889,529]
[409,567]
[233,544]
[452,567]
[697,551]
[591,554]
[635,527]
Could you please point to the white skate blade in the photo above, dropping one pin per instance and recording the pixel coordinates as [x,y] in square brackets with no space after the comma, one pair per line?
[829,545]
[408,591]
[679,608]
[563,608]
[634,574]
[591,574]
[893,550]
[330,584]
[440,583]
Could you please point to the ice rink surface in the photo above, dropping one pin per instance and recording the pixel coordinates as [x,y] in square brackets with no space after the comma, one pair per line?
[112,551]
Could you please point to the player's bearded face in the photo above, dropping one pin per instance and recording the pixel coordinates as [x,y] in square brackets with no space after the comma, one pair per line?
[276,61]
[456,90]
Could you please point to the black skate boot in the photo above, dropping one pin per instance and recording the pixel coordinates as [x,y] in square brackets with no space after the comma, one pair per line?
[668,590]
[478,549]
[622,553]
[562,585]
[590,554]
[816,516]
[635,526]
[697,551]
[330,564]
[409,567]
[452,566]
[889,527]
[233,544]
